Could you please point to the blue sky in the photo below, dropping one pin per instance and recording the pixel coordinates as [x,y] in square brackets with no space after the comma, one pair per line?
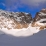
[30,6]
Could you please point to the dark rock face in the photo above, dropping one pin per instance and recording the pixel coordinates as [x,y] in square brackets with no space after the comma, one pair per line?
[40,15]
[22,17]
[25,17]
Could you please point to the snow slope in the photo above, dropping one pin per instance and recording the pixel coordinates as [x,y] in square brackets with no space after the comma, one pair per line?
[21,32]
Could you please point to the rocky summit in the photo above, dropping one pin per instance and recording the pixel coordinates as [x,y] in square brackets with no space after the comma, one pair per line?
[40,16]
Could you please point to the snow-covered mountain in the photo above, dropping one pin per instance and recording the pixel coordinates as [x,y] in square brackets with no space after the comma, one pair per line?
[41,16]
[21,23]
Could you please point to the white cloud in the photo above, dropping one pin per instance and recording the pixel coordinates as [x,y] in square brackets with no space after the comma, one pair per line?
[14,4]
[33,2]
[2,4]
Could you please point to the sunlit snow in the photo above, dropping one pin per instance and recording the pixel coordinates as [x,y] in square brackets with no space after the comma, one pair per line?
[21,32]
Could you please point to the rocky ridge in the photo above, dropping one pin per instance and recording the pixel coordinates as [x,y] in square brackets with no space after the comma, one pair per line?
[18,20]
[40,15]
[14,20]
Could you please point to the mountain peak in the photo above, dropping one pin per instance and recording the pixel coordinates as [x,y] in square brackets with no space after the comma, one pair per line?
[21,19]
